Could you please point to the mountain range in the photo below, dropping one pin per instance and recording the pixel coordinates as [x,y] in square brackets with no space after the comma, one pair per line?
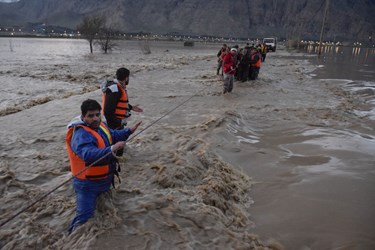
[346,19]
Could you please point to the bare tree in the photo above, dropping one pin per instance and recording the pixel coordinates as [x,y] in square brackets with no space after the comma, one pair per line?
[90,27]
[105,40]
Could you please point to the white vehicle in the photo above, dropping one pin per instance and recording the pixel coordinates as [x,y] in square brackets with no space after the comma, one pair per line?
[271,43]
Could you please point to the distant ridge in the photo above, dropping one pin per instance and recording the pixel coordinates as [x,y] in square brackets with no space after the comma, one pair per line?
[347,19]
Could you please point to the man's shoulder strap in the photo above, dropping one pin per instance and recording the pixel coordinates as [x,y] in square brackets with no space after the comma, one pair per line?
[109,85]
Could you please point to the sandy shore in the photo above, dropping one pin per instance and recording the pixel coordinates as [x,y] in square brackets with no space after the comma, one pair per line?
[187,181]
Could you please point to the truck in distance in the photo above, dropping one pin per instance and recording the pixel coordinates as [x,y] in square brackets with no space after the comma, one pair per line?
[270,43]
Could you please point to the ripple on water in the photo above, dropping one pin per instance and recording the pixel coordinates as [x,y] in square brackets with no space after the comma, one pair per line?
[242,131]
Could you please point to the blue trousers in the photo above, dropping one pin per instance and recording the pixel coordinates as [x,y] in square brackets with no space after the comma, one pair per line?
[86,194]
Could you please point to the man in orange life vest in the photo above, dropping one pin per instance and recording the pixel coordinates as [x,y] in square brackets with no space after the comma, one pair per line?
[115,102]
[255,64]
[90,142]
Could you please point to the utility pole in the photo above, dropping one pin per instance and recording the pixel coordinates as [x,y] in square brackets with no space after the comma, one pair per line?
[321,32]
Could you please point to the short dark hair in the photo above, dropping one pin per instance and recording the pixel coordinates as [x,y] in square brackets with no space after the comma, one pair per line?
[122,73]
[89,105]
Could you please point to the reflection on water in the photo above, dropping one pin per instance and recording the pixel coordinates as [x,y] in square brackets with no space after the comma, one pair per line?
[332,151]
[351,68]
[318,192]
[340,62]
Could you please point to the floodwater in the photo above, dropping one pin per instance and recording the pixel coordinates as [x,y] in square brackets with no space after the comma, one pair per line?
[352,68]
[316,191]
[289,157]
[352,63]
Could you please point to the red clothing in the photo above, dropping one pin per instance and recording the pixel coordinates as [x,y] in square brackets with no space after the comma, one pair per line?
[223,55]
[228,64]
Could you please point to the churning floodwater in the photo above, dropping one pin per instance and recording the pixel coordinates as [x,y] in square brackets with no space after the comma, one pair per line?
[316,191]
[289,157]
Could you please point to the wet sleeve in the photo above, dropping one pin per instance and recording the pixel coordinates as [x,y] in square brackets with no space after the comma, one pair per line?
[109,108]
[120,135]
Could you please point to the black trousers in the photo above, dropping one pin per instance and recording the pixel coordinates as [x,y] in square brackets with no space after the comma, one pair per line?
[253,73]
[243,71]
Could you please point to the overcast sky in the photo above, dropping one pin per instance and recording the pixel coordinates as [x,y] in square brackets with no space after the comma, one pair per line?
[8,1]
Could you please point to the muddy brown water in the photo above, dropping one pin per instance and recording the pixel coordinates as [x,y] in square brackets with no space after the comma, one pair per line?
[316,189]
[289,157]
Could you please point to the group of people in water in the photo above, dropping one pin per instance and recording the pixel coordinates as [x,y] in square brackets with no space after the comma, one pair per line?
[93,146]
[241,64]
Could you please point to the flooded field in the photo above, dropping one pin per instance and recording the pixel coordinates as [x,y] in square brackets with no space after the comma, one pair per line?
[284,162]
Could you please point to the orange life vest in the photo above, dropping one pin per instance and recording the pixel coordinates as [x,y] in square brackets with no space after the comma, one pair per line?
[122,108]
[77,165]
[258,63]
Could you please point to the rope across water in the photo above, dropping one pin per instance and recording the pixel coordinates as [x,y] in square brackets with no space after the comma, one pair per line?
[92,164]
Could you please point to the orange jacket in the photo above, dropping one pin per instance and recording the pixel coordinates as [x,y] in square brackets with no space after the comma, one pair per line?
[122,108]
[258,62]
[77,165]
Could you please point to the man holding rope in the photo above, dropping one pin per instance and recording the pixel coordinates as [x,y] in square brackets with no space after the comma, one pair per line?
[91,148]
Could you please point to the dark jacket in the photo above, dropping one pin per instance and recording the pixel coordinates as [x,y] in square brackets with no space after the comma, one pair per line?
[111,100]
